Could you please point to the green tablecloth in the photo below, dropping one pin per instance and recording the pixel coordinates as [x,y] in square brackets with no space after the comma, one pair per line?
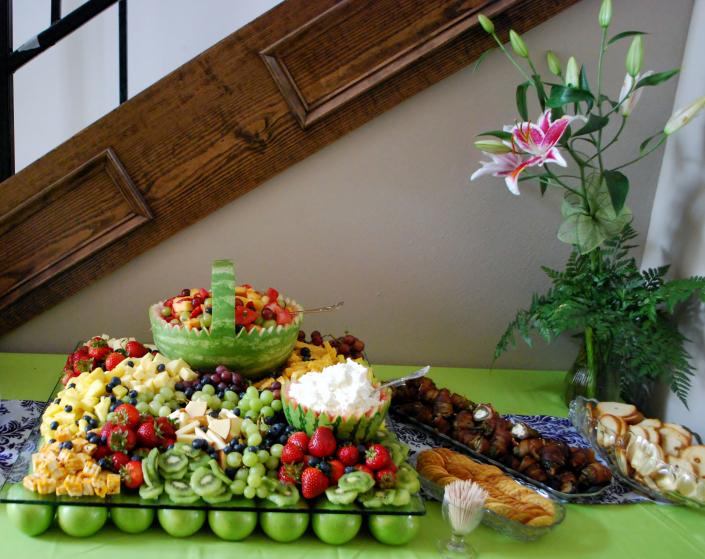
[619,531]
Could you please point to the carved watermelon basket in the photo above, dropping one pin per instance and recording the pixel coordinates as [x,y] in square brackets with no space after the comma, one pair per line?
[252,353]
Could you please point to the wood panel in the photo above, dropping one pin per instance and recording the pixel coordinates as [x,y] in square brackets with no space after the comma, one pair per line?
[219,126]
[66,222]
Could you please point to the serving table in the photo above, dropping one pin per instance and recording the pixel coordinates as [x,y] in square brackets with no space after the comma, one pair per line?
[638,531]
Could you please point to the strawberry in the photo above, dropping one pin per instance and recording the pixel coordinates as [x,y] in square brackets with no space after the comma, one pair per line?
[83,365]
[148,434]
[292,454]
[300,439]
[100,452]
[113,359]
[131,474]
[135,349]
[290,473]
[107,429]
[348,455]
[365,468]
[127,414]
[166,428]
[119,459]
[322,443]
[98,349]
[273,295]
[377,457]
[122,439]
[386,478]
[337,469]
[313,483]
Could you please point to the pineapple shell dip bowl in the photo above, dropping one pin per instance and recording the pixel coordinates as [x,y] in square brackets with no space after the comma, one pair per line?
[252,353]
[344,397]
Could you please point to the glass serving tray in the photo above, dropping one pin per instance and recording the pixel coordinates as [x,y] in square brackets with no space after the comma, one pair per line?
[452,443]
[502,524]
[12,491]
[615,454]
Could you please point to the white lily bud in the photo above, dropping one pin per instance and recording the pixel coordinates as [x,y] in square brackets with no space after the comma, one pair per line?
[683,116]
[572,72]
[554,63]
[518,44]
[492,146]
[486,23]
[635,56]
[605,16]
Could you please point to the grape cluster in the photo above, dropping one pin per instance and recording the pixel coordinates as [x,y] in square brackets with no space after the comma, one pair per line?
[220,388]
[347,346]
[160,404]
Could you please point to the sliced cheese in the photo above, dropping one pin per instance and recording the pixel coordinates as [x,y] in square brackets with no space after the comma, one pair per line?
[235,426]
[218,443]
[185,437]
[189,427]
[196,407]
[200,434]
[220,427]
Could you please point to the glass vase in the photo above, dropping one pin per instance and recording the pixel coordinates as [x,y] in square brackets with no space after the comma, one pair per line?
[593,375]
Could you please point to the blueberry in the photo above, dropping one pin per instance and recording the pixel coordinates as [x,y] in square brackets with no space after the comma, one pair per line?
[115,381]
[130,363]
[209,310]
[305,352]
[325,467]
[92,438]
[313,461]
[68,444]
[136,458]
[283,439]
[230,472]
[108,387]
[133,401]
[237,411]
[241,395]
[113,398]
[238,328]
[53,425]
[349,469]
[68,408]
[212,452]
[113,407]
[214,413]
[290,429]
[103,440]
[269,420]
[275,430]
[161,367]
[104,463]
[72,385]
[221,394]
[239,448]
[133,394]
[199,443]
[179,386]
[52,441]
[361,448]
[189,392]
[171,446]
[252,448]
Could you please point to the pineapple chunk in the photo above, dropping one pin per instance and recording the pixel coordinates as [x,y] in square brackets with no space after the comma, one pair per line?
[161,380]
[146,359]
[187,374]
[176,365]
[159,359]
[102,409]
[97,388]
[120,391]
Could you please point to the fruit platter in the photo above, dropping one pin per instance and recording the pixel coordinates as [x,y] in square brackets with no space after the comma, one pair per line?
[665,461]
[232,418]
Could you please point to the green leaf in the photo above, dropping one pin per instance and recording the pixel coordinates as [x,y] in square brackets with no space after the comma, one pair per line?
[645,143]
[655,79]
[543,184]
[581,231]
[594,123]
[584,85]
[625,34]
[540,93]
[521,100]
[501,134]
[618,187]
[562,95]
[480,59]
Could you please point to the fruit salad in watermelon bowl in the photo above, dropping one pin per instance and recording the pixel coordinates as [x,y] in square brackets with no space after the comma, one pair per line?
[235,326]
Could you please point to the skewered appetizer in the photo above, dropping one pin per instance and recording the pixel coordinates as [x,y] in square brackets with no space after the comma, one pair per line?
[517,446]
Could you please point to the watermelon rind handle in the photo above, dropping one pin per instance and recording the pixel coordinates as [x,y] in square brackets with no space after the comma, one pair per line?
[223,294]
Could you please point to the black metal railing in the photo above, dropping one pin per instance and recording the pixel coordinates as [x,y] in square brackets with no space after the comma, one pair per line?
[12,60]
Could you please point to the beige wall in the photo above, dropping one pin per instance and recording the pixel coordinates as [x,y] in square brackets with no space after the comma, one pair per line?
[431,267]
[677,230]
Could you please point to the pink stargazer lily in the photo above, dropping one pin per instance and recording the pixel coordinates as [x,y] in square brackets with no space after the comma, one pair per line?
[540,139]
[507,165]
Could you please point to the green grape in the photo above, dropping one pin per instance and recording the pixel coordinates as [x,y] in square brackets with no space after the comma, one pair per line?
[266,411]
[238,487]
[246,423]
[228,405]
[209,389]
[242,474]
[142,407]
[180,396]
[159,399]
[154,407]
[164,411]
[273,474]
[197,395]
[272,463]
[276,405]
[252,429]
[167,393]
[231,396]
[263,491]
[144,397]
[254,482]
[276,450]
[252,392]
[256,405]
[254,440]
[234,459]
[263,456]
[251,414]
[250,492]
[258,470]
[249,459]
[173,404]
[266,397]
[244,405]
[214,403]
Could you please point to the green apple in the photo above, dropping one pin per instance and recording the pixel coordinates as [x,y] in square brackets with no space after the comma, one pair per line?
[394,530]
[130,520]
[79,521]
[30,519]
[284,526]
[181,523]
[335,529]
[233,525]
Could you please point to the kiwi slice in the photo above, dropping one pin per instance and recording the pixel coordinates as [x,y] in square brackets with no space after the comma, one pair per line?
[180,492]
[149,468]
[181,474]
[407,479]
[284,494]
[187,450]
[222,497]
[171,462]
[199,462]
[205,483]
[372,499]
[217,472]
[151,492]
[356,481]
[339,496]
[400,498]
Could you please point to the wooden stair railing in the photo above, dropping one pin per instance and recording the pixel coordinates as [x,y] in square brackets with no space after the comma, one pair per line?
[269,95]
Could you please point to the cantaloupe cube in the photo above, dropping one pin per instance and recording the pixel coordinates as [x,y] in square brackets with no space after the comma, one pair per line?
[176,365]
[161,380]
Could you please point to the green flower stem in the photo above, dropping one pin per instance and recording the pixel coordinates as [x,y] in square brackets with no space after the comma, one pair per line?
[511,59]
[564,185]
[658,145]
[613,140]
[603,49]
[590,352]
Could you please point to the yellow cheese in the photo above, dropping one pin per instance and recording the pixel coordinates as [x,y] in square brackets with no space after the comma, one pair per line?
[220,427]
[187,428]
[196,408]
